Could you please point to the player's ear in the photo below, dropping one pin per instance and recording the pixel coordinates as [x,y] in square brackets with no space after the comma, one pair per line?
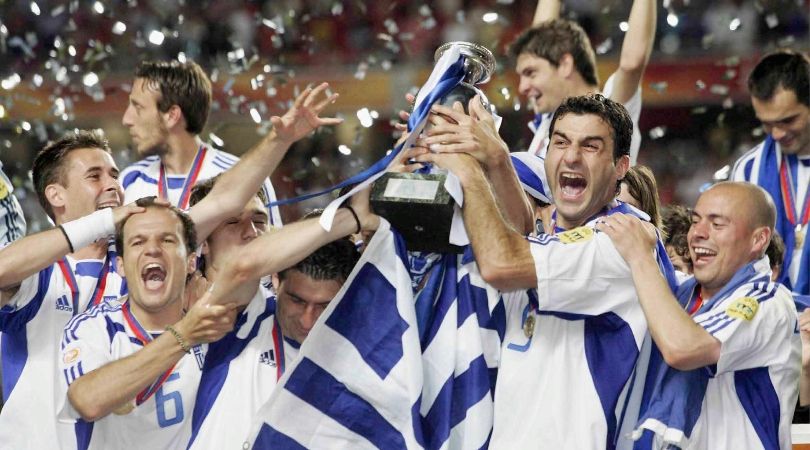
[566,66]
[55,195]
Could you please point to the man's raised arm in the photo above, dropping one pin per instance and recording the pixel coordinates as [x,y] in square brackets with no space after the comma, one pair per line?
[546,10]
[239,184]
[636,49]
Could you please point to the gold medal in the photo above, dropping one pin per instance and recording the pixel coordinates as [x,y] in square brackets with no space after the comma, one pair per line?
[800,235]
[125,409]
[528,326]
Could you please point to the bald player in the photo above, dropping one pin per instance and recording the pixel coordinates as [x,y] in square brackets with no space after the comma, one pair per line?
[729,331]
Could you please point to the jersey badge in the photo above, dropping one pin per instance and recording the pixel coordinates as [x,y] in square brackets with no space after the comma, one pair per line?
[3,190]
[71,356]
[744,308]
[580,234]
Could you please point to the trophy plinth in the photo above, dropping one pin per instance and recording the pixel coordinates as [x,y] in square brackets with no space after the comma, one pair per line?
[419,207]
[417,204]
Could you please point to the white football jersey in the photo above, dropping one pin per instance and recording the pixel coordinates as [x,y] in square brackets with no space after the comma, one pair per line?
[109,332]
[570,349]
[750,399]
[141,179]
[240,373]
[31,326]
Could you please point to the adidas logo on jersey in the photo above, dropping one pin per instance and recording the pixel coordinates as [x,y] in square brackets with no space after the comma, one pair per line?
[62,304]
[268,357]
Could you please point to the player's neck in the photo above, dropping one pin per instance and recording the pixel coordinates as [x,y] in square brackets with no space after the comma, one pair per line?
[182,148]
[580,88]
[154,321]
[707,293]
[804,152]
[96,250]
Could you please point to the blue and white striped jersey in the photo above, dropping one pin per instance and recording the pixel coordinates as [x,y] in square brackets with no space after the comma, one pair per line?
[240,373]
[31,326]
[747,168]
[750,398]
[140,179]
[107,333]
[12,221]
[565,384]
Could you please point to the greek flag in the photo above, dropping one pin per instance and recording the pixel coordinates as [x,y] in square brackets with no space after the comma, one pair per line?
[362,379]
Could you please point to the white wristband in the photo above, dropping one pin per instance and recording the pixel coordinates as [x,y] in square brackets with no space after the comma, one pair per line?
[84,231]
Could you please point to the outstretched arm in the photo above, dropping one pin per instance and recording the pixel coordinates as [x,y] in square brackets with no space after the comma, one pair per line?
[502,254]
[546,10]
[684,344]
[475,134]
[239,184]
[636,49]
[27,256]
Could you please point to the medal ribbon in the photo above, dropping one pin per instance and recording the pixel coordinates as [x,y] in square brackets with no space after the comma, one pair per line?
[144,338]
[278,343]
[697,303]
[196,166]
[70,279]
[788,196]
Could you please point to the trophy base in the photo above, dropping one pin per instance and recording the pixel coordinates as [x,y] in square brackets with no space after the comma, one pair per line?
[418,207]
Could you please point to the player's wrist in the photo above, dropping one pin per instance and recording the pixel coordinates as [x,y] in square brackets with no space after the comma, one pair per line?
[84,231]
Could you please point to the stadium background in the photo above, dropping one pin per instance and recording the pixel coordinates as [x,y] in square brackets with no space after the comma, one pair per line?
[69,64]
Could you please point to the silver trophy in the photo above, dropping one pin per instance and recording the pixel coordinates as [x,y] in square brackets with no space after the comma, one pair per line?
[417,204]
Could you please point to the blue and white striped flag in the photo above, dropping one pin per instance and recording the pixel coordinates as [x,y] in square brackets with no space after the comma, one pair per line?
[362,380]
[461,350]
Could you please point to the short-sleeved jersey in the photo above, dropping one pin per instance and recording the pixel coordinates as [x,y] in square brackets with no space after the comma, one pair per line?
[747,168]
[564,386]
[750,398]
[240,373]
[539,143]
[103,335]
[31,326]
[12,221]
[140,179]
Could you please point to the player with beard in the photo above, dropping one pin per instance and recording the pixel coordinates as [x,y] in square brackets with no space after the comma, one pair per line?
[168,108]
[571,346]
[780,94]
[49,277]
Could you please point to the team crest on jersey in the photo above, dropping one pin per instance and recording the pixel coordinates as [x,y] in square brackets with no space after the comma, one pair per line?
[268,357]
[71,356]
[63,304]
[744,308]
[3,190]
[580,234]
